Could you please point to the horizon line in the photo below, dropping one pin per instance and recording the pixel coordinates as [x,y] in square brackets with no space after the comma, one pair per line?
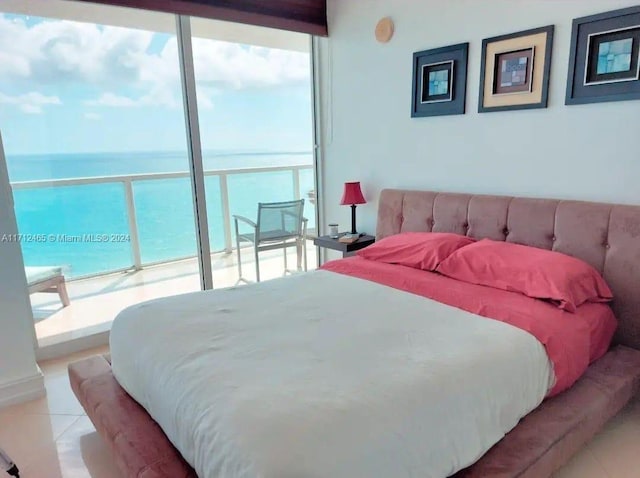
[225,152]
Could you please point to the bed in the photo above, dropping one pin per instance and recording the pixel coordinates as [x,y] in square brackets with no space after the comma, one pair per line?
[603,235]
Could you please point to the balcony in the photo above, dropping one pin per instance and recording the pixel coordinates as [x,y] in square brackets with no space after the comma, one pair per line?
[132,271]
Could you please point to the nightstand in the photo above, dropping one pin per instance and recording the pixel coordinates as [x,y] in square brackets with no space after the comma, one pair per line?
[346,249]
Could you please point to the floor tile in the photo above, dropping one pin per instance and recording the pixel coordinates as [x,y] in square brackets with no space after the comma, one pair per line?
[22,435]
[616,446]
[40,462]
[60,399]
[65,444]
[85,457]
[80,448]
[583,465]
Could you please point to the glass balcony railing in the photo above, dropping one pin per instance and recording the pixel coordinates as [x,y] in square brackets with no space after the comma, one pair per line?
[98,225]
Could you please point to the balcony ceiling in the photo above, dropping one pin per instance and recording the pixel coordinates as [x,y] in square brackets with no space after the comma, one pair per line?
[304,16]
[157,22]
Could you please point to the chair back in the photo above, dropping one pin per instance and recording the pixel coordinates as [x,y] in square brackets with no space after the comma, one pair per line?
[279,220]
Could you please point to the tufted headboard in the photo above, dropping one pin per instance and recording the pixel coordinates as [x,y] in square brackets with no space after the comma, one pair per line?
[607,236]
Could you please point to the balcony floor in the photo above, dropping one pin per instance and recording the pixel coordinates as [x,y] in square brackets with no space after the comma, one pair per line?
[96,301]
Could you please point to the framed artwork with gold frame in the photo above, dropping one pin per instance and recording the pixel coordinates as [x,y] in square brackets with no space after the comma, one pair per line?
[515,70]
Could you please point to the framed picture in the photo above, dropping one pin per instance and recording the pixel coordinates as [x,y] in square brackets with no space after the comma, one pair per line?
[440,81]
[435,82]
[605,57]
[515,70]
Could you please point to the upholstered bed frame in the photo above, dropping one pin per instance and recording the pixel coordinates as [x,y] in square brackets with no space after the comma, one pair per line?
[606,236]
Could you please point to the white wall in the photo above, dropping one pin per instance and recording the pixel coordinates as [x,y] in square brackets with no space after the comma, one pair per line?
[20,377]
[587,152]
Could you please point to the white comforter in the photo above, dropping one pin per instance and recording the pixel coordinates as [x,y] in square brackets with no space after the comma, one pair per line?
[324,375]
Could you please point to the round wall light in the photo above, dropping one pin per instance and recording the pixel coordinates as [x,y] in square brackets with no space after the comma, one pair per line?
[384,30]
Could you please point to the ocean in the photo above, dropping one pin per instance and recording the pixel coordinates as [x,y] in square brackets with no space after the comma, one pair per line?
[85,228]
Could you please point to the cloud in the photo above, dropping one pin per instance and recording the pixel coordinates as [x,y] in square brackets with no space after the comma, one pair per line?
[155,97]
[59,52]
[51,52]
[93,116]
[225,65]
[30,103]
[111,99]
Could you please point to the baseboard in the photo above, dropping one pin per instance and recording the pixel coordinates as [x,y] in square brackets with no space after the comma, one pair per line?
[22,390]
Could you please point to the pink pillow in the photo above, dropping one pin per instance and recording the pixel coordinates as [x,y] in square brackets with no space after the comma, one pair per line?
[420,250]
[534,272]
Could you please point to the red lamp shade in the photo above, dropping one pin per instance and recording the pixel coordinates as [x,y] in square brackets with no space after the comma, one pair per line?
[352,194]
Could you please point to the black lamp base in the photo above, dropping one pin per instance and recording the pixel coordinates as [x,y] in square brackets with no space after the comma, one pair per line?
[353,219]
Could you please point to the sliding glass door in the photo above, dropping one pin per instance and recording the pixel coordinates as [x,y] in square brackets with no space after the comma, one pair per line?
[93,126]
[254,102]
[104,161]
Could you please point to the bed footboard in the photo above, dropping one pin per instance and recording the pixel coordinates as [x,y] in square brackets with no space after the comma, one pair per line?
[549,436]
[540,444]
[139,447]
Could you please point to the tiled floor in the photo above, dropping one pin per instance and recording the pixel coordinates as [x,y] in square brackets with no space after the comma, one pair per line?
[52,438]
[96,301]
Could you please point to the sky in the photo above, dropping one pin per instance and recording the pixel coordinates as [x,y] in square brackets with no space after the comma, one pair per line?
[70,87]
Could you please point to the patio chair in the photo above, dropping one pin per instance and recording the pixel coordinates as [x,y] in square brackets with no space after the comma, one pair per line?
[280,225]
[47,279]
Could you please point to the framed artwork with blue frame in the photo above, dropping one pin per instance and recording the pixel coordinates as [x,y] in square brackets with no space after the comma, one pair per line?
[440,81]
[605,57]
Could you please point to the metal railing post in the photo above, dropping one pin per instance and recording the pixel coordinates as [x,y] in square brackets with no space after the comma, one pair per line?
[226,213]
[296,182]
[133,225]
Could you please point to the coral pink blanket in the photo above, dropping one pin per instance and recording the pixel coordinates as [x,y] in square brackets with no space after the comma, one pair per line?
[572,340]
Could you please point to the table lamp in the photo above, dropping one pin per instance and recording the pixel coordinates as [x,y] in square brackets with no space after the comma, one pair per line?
[352,195]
